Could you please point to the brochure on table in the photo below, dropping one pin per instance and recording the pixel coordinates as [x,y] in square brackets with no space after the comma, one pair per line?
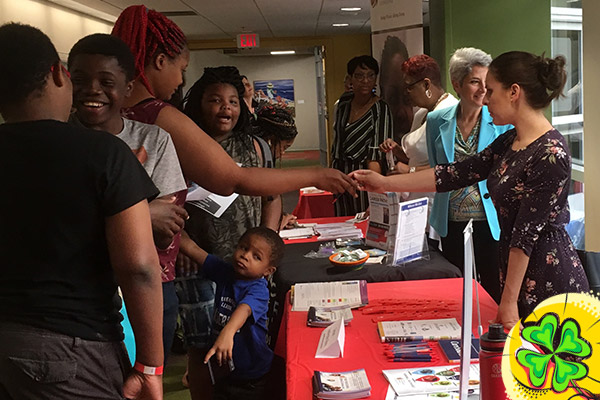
[424,380]
[297,233]
[325,316]
[341,385]
[391,395]
[327,294]
[331,342]
[426,329]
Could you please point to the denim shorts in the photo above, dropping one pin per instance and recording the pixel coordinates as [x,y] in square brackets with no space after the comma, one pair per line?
[196,308]
[41,364]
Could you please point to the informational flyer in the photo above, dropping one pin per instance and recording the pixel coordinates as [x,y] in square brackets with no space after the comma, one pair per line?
[383,218]
[436,379]
[410,239]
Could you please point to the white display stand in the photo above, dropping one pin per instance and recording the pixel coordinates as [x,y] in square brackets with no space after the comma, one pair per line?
[470,271]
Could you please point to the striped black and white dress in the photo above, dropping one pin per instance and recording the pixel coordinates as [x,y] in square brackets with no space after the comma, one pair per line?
[355,144]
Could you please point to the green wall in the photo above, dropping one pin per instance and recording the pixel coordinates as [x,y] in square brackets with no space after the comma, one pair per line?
[495,26]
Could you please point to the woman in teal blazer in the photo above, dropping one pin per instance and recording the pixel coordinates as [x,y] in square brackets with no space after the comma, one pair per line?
[455,133]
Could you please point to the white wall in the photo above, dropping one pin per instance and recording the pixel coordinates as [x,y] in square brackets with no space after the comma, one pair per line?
[300,68]
[62,26]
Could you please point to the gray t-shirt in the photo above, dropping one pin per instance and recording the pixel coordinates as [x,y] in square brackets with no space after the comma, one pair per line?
[155,150]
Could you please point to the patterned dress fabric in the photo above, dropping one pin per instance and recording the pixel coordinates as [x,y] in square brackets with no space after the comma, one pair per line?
[529,188]
[355,144]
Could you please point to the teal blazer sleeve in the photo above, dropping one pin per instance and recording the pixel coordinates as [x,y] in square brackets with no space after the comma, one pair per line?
[440,131]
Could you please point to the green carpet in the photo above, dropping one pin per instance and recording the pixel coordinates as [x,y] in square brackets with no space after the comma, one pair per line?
[173,389]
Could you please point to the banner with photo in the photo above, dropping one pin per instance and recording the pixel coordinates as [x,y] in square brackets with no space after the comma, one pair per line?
[396,35]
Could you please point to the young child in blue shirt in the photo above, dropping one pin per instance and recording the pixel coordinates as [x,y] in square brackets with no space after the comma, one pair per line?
[241,304]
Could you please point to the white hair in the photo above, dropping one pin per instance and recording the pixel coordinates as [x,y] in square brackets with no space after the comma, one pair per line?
[464,59]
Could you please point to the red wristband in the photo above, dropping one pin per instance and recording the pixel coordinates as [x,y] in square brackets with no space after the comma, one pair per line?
[139,367]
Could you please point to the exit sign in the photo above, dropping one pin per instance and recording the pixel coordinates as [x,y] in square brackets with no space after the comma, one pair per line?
[248,40]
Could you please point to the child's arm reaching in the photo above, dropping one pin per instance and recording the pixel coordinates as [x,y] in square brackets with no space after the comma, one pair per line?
[223,347]
[191,257]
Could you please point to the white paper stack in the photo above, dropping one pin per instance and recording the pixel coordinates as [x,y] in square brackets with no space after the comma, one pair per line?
[338,230]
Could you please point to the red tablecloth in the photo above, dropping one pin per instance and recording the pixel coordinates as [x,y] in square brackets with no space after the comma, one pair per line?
[362,225]
[363,348]
[314,205]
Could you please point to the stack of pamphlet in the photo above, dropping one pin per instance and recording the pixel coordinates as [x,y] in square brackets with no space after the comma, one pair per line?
[338,230]
[325,316]
[425,329]
[426,380]
[341,385]
[329,294]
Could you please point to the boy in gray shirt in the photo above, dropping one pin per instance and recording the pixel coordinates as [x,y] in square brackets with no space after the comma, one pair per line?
[102,69]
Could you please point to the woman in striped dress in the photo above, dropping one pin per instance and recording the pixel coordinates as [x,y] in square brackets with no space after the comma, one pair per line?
[362,121]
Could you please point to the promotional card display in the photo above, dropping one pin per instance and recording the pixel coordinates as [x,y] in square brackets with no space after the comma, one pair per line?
[426,329]
[410,240]
[331,342]
[328,294]
[427,380]
[383,219]
[398,227]
[341,385]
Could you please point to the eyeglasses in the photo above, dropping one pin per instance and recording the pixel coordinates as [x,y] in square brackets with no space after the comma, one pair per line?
[361,77]
[409,86]
[66,71]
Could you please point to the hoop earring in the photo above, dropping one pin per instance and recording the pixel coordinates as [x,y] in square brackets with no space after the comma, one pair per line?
[428,93]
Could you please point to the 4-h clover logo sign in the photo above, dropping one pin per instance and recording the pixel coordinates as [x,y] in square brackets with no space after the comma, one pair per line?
[554,353]
[570,345]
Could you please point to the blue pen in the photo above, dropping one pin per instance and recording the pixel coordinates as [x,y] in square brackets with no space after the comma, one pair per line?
[412,356]
[409,351]
[410,360]
[406,342]
[402,346]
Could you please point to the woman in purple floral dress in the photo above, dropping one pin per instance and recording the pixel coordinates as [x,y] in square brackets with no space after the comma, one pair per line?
[528,170]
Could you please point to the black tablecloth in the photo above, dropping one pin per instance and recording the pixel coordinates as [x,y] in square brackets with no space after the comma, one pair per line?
[295,268]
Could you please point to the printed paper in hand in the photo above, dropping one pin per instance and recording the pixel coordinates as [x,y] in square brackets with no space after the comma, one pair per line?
[410,239]
[329,294]
[209,202]
[331,343]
